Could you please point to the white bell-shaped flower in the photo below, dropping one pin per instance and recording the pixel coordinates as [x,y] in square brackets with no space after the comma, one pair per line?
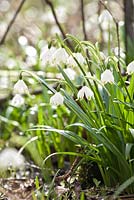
[70,73]
[17,100]
[46,55]
[60,56]
[122,54]
[57,99]
[105,20]
[79,57]
[102,55]
[20,87]
[107,77]
[9,157]
[130,68]
[85,92]
[105,16]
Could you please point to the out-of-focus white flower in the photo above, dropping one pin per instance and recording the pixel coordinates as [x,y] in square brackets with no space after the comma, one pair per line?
[11,63]
[4,6]
[85,92]
[62,13]
[130,68]
[60,56]
[102,55]
[70,73]
[131,131]
[31,61]
[4,82]
[121,23]
[122,54]
[105,16]
[105,19]
[17,100]
[107,77]
[61,190]
[106,35]
[46,55]
[20,87]
[22,40]
[30,51]
[10,157]
[57,99]
[79,57]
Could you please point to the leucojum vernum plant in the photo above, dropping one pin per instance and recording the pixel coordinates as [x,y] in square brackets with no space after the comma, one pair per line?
[95,90]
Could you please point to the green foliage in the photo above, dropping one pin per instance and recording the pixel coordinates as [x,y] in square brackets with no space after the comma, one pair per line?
[106,118]
[101,125]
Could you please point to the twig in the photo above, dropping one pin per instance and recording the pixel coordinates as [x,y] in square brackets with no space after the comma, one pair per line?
[83,20]
[117,30]
[100,27]
[11,22]
[84,27]
[49,3]
[67,174]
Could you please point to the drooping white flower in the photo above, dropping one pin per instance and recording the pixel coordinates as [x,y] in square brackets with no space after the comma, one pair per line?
[105,19]
[20,87]
[60,56]
[105,16]
[46,55]
[9,157]
[70,73]
[85,92]
[102,55]
[79,57]
[57,99]
[122,54]
[71,61]
[130,68]
[17,101]
[107,77]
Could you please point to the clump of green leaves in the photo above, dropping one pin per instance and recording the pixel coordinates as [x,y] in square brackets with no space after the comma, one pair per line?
[102,102]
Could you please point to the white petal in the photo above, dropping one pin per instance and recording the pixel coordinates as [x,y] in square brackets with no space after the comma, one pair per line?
[20,87]
[60,56]
[102,55]
[57,99]
[107,77]
[105,16]
[122,54]
[17,100]
[46,55]
[130,68]
[79,57]
[70,73]
[85,92]
[9,157]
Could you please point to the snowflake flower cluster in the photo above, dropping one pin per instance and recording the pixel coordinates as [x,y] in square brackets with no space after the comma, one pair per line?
[60,56]
[54,56]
